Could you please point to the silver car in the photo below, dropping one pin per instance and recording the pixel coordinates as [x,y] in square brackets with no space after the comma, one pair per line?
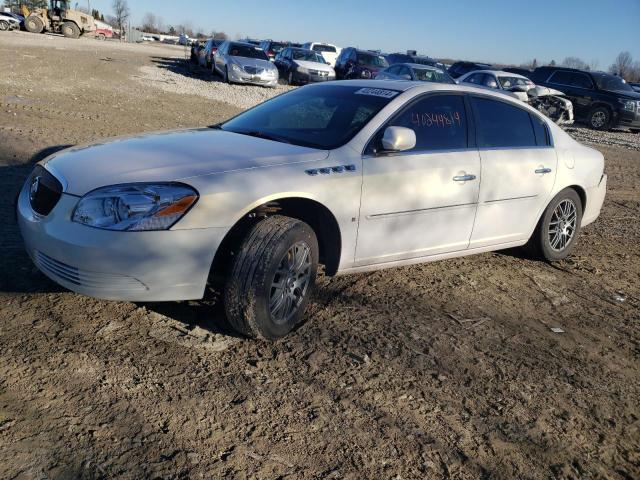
[239,62]
[415,72]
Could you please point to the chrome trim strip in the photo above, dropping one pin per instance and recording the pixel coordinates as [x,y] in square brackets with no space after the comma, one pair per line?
[508,199]
[416,211]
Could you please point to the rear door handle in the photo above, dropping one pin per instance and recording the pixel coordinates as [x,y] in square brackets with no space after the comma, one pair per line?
[464,178]
[543,170]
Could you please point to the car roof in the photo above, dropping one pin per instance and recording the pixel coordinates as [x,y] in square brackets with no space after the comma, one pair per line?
[499,73]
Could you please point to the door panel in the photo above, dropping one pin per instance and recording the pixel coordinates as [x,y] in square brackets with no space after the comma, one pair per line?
[411,205]
[512,195]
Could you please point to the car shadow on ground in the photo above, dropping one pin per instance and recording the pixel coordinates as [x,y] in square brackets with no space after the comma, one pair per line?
[185,67]
[19,273]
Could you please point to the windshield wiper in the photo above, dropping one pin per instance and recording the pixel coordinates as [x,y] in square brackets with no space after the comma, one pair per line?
[266,136]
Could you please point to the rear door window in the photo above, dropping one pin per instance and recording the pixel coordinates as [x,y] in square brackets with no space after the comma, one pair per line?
[501,125]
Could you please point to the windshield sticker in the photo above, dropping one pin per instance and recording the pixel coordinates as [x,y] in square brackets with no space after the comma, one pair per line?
[377,92]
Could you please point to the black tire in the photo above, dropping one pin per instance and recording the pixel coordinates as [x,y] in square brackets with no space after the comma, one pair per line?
[225,75]
[540,243]
[635,130]
[4,25]
[599,118]
[290,78]
[33,24]
[70,30]
[255,268]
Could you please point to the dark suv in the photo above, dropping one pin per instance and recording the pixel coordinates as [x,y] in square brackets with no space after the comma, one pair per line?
[599,99]
[460,68]
[353,63]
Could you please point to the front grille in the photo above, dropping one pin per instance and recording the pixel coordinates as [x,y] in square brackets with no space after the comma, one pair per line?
[318,73]
[44,191]
[253,70]
[98,281]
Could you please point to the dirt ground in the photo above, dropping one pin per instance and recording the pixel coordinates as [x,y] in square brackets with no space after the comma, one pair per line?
[443,370]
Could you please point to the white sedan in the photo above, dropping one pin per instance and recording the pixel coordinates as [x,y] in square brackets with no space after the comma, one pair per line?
[357,175]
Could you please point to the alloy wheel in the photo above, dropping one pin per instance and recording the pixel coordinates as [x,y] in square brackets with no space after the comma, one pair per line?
[290,283]
[562,226]
[598,119]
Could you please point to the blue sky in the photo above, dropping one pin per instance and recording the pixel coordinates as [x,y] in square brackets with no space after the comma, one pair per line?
[484,30]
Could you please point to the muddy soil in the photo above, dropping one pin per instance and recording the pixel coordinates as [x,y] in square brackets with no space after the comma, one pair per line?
[443,370]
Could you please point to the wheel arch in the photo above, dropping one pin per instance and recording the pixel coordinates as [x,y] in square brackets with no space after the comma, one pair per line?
[582,193]
[304,208]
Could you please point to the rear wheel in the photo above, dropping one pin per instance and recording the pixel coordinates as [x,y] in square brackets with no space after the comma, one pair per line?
[33,24]
[70,30]
[272,277]
[600,118]
[4,25]
[101,36]
[557,231]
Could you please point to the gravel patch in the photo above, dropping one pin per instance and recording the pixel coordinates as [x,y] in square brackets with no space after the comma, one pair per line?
[617,138]
[178,76]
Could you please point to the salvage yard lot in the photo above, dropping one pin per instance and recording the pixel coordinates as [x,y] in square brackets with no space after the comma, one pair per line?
[444,370]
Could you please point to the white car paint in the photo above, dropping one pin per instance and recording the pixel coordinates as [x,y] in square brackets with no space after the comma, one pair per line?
[497,75]
[391,210]
[321,67]
[330,57]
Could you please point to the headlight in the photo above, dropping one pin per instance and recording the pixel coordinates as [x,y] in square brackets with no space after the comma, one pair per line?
[365,74]
[237,68]
[628,105]
[135,207]
[303,70]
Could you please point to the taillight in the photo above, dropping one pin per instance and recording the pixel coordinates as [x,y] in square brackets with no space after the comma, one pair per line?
[271,54]
[214,49]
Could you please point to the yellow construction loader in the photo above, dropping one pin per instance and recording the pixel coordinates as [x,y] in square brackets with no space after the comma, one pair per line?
[59,18]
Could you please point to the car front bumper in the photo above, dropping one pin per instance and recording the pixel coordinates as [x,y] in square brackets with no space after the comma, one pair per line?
[626,118]
[135,266]
[595,199]
[305,78]
[264,80]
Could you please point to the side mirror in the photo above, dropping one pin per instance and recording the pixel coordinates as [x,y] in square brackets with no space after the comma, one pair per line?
[398,139]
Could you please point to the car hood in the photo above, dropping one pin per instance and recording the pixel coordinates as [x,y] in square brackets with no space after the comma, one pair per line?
[626,93]
[169,156]
[322,67]
[253,62]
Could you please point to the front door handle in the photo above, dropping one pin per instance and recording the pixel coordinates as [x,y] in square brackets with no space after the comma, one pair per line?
[543,170]
[464,178]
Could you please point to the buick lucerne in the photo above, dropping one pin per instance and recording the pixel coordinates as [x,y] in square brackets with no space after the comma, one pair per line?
[355,175]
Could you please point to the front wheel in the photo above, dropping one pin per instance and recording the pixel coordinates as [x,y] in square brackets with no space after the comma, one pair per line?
[600,118]
[70,30]
[33,24]
[272,277]
[4,25]
[557,231]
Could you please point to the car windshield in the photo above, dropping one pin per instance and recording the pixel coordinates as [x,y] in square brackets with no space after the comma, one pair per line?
[324,48]
[371,59]
[247,51]
[324,117]
[308,56]
[611,83]
[277,47]
[427,75]
[508,82]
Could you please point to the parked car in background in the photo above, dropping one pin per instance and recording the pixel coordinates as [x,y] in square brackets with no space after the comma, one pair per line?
[195,50]
[272,48]
[205,54]
[353,63]
[510,83]
[415,72]
[299,66]
[103,30]
[257,202]
[239,62]
[394,58]
[601,100]
[328,51]
[460,68]
[8,21]
[146,38]
[551,103]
